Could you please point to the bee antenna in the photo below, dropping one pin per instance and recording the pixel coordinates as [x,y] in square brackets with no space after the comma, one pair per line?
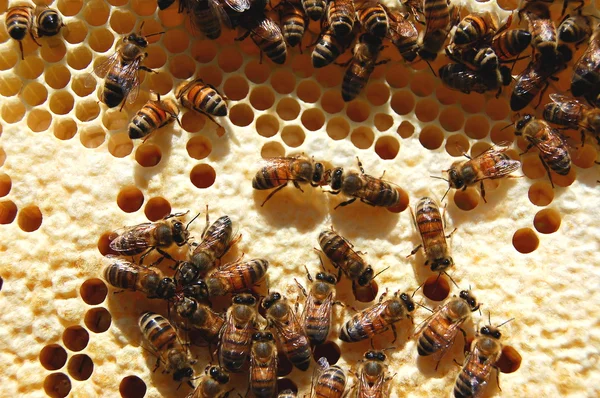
[505,322]
[422,306]
[385,269]
[413,295]
[446,193]
[440,178]
[192,220]
[372,346]
[448,275]
[154,34]
[489,318]
[505,127]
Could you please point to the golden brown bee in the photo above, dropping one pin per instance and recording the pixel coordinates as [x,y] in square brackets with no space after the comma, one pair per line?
[378,318]
[439,331]
[315,9]
[48,22]
[533,80]
[331,382]
[287,394]
[126,275]
[575,29]
[329,47]
[200,317]
[288,331]
[477,27]
[542,29]
[370,190]
[440,17]
[586,72]
[372,379]
[152,116]
[294,21]
[263,365]
[373,18]
[403,34]
[431,228]
[278,172]
[462,78]
[211,384]
[265,34]
[549,142]
[362,64]
[490,165]
[509,44]
[572,113]
[19,22]
[316,316]
[203,98]
[236,334]
[162,339]
[341,16]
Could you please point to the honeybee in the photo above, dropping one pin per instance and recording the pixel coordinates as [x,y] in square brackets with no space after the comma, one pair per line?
[236,334]
[288,331]
[403,34]
[207,15]
[440,17]
[152,116]
[162,339]
[203,98]
[211,384]
[477,27]
[19,22]
[48,22]
[586,72]
[278,172]
[378,318]
[265,34]
[490,165]
[431,228]
[200,317]
[331,382]
[315,9]
[439,330]
[372,379]
[329,47]
[294,21]
[263,365]
[370,190]
[551,145]
[542,29]
[437,14]
[533,80]
[478,59]
[415,7]
[287,394]
[126,275]
[460,77]
[341,16]
[575,29]
[362,64]
[509,44]
[373,17]
[572,113]
[316,315]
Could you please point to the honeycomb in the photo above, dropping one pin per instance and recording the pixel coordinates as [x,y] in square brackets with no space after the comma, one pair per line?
[69,175]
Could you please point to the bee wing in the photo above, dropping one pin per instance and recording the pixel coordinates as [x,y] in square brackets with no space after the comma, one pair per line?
[276,163]
[268,30]
[500,168]
[323,310]
[478,379]
[426,321]
[220,13]
[129,238]
[290,330]
[568,105]
[131,80]
[238,5]
[102,69]
[528,82]
[365,390]
[344,8]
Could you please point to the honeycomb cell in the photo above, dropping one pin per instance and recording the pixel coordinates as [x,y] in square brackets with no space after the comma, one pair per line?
[79,58]
[241,115]
[452,119]
[39,120]
[230,60]
[472,102]
[477,127]
[402,102]
[132,387]
[457,145]
[302,66]
[203,176]
[533,167]
[104,245]
[156,58]
[5,184]
[293,136]
[236,88]
[83,85]
[10,85]
[101,40]
[508,5]
[358,111]
[80,367]
[96,12]
[541,193]
[329,350]
[75,338]
[53,357]
[378,94]
[332,101]
[501,134]
[497,108]
[330,76]
[204,51]
[8,211]
[402,203]
[427,110]
[57,76]
[86,110]
[181,67]
[383,122]
[387,147]
[397,76]
[288,108]
[308,91]
[117,2]
[92,136]
[365,294]
[122,22]
[97,320]
[547,221]
[256,72]
[406,129]
[53,52]
[57,385]
[61,103]
[262,98]
[272,149]
[93,291]
[431,137]
[30,218]
[161,83]
[148,155]
[510,360]
[267,125]
[130,199]
[436,288]
[193,122]
[338,128]
[13,111]
[283,81]
[65,129]
[157,208]
[76,33]
[585,157]
[422,84]
[445,95]
[143,8]
[30,68]
[478,148]
[68,8]
[564,181]
[113,119]
[466,200]
[120,145]
[199,147]
[525,240]
[362,137]
[313,119]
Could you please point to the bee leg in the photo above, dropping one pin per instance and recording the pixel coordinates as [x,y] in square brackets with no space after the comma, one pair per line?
[302,289]
[207,224]
[482,188]
[415,250]
[451,233]
[360,165]
[497,377]
[145,68]
[33,38]
[297,186]
[165,254]
[582,138]
[547,171]
[279,188]
[143,256]
[346,203]
[242,37]
[526,149]
[395,333]
[21,47]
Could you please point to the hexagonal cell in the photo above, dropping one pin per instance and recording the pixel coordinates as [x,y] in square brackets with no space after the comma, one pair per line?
[422,84]
[79,58]
[199,147]
[406,129]
[329,350]
[541,193]
[13,111]
[329,76]
[362,137]
[82,86]
[69,7]
[130,199]
[497,108]
[262,98]
[332,102]
[92,136]
[162,83]
[451,119]
[256,72]
[203,176]
[10,85]
[93,291]
[8,211]
[236,88]
[96,12]
[241,115]
[30,218]
[53,357]
[101,40]
[585,157]
[457,145]
[204,51]
[272,149]
[431,137]
[500,133]
[97,320]
[308,91]
[192,121]
[57,385]
[472,102]
[61,102]
[378,94]
[383,122]
[398,76]
[57,76]
[387,147]
[302,65]
[176,40]
[157,209]
[436,288]
[338,128]
[525,240]
[564,181]
[113,119]
[8,59]
[288,109]
[533,167]
[80,367]
[39,120]
[65,129]
[293,136]
[267,125]
[148,155]
[34,94]
[283,81]
[427,110]
[76,33]
[157,57]
[76,338]
[402,102]
[30,68]
[5,184]
[132,387]
[358,111]
[182,67]
[547,221]
[120,145]
[230,60]
[466,200]
[313,119]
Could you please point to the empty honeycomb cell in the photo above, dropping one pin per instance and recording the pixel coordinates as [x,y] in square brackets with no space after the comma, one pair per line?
[132,387]
[406,129]
[65,129]
[236,88]
[497,108]
[31,68]
[533,167]
[83,85]
[76,33]
[272,149]
[479,147]
[308,91]
[365,294]
[477,127]
[54,51]
[157,208]
[130,199]
[8,59]
[510,360]
[75,338]
[122,22]
[256,72]
[362,137]
[283,81]
[500,133]
[61,102]
[387,147]
[86,110]
[302,65]
[241,115]
[284,366]
[383,122]
[203,176]
[161,82]
[120,145]
[10,85]
[330,76]
[427,110]
[53,357]
[288,108]
[143,8]
[204,51]
[8,211]
[30,218]
[97,320]
[148,155]
[101,40]
[5,184]
[79,57]
[156,58]
[358,111]
[436,288]
[93,291]
[332,101]
[457,145]
[466,200]
[57,385]
[13,111]
[445,95]
[181,67]
[193,122]
[452,119]
[378,94]
[69,8]
[338,128]
[541,193]
[313,119]
[564,181]
[329,350]
[211,75]
[262,98]
[397,76]
[199,147]
[293,136]
[585,157]
[525,240]
[547,221]
[403,202]
[92,136]
[80,367]
[508,5]
[472,102]
[34,94]
[267,125]
[96,12]
[431,137]
[402,102]
[422,84]
[39,120]
[230,60]
[57,76]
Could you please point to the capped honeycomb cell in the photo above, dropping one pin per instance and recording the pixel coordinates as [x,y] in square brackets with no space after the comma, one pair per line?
[157,208]
[525,240]
[97,320]
[362,137]
[132,387]
[272,149]
[53,357]
[203,176]
[75,338]
[148,155]
[267,125]
[57,385]
[130,199]
[93,291]
[30,218]
[293,136]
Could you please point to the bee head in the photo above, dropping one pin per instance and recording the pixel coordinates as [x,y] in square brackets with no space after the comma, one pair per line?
[327,278]
[470,299]
[491,331]
[375,356]
[244,299]
[521,123]
[441,264]
[218,374]
[51,21]
[270,300]
[262,336]
[336,178]
[180,233]
[185,373]
[408,302]
[454,179]
[318,172]
[366,277]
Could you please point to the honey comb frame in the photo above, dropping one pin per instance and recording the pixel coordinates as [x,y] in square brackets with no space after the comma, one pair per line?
[69,174]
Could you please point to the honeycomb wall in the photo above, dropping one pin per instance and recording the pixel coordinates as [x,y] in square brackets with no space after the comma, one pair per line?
[69,175]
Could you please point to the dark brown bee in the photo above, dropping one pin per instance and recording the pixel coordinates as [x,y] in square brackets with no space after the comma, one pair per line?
[460,77]
[278,172]
[430,225]
[164,343]
[477,27]
[509,44]
[439,331]
[341,16]
[572,113]
[490,165]
[373,18]
[265,34]
[126,275]
[287,394]
[316,316]
[152,116]
[575,29]
[362,64]
[370,190]
[203,98]
[211,384]
[331,382]
[533,80]
[315,9]
[372,379]
[437,14]
[236,334]
[19,22]
[542,29]
[549,142]
[288,331]
[378,318]
[294,21]
[586,72]
[200,317]
[403,34]
[329,47]
[478,59]
[208,15]
[440,17]
[415,7]
[263,365]
[48,22]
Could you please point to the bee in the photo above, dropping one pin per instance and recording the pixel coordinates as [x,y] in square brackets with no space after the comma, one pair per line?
[160,335]
[542,29]
[316,316]
[315,9]
[211,384]
[575,29]
[236,334]
[331,382]
[440,17]
[203,98]
[572,113]
[48,22]
[278,172]
[438,14]
[341,16]
[508,44]
[200,317]
[378,318]
[490,165]
[265,34]
[551,145]
[533,80]
[329,47]
[362,64]
[19,22]
[230,278]
[288,331]
[263,365]
[478,59]
[439,330]
[403,34]
[207,15]
[586,72]
[152,116]
[429,223]
[460,77]
[477,27]
[370,190]
[287,394]
[294,21]
[373,17]
[126,275]
[415,7]
[372,380]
